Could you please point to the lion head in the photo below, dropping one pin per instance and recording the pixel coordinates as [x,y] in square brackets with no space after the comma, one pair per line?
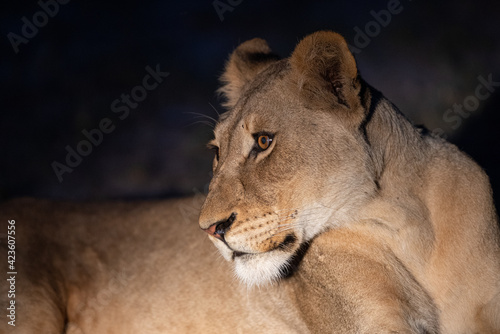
[291,159]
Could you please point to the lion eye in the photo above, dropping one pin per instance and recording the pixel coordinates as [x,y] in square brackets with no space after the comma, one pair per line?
[215,149]
[264,141]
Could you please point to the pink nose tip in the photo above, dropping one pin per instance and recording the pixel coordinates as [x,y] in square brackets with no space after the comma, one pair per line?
[219,229]
[211,230]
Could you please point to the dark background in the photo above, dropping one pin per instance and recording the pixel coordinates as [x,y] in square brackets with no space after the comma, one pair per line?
[65,78]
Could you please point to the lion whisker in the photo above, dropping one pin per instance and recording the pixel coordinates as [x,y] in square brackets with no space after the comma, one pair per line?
[207,123]
[215,109]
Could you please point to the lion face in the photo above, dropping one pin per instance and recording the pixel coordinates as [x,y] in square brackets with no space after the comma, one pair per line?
[290,160]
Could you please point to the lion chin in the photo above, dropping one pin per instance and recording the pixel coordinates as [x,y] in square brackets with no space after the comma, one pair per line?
[257,269]
[263,268]
[265,247]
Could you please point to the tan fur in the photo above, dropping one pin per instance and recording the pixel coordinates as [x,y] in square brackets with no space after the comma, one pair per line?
[344,158]
[364,223]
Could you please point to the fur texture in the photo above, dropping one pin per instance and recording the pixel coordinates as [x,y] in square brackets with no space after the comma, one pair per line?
[343,158]
[346,217]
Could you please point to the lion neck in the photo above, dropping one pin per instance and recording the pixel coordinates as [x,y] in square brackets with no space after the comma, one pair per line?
[397,148]
[399,152]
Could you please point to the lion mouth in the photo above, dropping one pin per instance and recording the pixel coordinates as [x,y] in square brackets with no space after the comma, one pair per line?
[285,245]
[238,254]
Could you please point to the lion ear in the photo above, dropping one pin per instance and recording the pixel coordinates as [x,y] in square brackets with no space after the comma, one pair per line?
[246,61]
[325,71]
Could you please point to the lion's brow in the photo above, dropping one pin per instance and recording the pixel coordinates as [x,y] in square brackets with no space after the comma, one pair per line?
[224,116]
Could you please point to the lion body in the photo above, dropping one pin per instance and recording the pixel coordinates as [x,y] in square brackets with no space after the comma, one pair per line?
[349,220]
[146,268]
[127,268]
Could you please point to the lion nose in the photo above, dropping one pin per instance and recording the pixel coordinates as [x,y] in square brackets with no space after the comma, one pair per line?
[220,228]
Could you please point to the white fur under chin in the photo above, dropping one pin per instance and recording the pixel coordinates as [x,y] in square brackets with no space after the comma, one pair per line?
[261,269]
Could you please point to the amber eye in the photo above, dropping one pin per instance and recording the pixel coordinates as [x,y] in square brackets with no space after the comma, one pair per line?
[264,141]
[215,149]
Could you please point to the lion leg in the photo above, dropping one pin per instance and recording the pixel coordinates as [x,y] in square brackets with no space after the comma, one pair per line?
[361,288]
[38,310]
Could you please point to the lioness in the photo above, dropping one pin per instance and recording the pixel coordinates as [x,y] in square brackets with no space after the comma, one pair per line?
[335,213]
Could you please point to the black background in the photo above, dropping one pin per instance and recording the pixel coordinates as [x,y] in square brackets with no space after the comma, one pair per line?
[426,59]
